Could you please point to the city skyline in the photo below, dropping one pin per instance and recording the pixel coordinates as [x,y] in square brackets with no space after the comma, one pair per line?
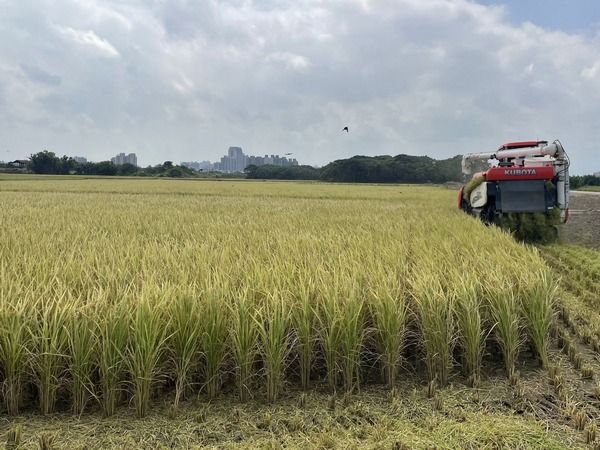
[236,152]
[236,161]
[122,158]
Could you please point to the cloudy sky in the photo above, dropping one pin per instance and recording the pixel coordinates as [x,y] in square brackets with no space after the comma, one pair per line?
[183,80]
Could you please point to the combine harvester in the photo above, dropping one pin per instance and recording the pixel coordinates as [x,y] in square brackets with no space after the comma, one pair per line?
[525,178]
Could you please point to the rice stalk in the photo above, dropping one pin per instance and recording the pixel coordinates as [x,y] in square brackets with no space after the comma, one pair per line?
[146,346]
[14,342]
[504,309]
[304,318]
[436,321]
[389,311]
[537,302]
[244,335]
[351,338]
[273,325]
[49,343]
[184,342]
[113,332]
[213,340]
[330,332]
[472,335]
[82,343]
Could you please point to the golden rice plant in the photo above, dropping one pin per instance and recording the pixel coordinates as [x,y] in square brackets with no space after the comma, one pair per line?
[389,310]
[435,309]
[330,332]
[274,323]
[213,339]
[244,334]
[471,332]
[110,294]
[184,341]
[304,324]
[146,347]
[537,301]
[504,310]
[351,336]
[83,346]
[113,327]
[49,347]
[14,342]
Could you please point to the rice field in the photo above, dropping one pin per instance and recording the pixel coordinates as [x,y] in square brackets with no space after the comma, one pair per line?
[115,293]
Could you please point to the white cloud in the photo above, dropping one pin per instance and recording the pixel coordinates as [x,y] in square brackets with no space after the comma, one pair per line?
[592,71]
[184,80]
[90,40]
[289,60]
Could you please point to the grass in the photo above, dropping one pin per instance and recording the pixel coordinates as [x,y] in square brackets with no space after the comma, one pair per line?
[589,188]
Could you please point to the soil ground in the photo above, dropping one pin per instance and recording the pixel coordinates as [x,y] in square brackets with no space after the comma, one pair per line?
[583,227]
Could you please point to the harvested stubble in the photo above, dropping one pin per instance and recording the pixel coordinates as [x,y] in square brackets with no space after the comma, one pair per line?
[113,288]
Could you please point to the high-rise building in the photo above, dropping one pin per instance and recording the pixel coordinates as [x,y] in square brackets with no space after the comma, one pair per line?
[122,158]
[237,161]
[198,165]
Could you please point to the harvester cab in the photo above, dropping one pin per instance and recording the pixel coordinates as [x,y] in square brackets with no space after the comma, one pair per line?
[523,177]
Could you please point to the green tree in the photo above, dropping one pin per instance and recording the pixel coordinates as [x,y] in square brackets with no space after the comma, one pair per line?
[45,162]
[106,168]
[127,169]
[174,172]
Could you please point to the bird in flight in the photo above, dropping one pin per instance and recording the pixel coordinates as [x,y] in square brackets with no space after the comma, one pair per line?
[287,154]
[345,129]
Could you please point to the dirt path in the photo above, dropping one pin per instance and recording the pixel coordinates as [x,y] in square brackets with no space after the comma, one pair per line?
[584,220]
[577,193]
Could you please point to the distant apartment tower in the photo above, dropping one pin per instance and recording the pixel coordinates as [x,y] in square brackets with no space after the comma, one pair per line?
[236,161]
[198,165]
[122,158]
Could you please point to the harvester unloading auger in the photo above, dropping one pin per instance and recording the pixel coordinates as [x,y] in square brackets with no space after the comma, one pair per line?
[525,178]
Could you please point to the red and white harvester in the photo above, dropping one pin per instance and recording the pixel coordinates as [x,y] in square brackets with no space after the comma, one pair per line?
[524,177]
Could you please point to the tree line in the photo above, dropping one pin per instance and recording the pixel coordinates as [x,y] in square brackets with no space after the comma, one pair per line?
[369,169]
[46,162]
[578,181]
[357,169]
